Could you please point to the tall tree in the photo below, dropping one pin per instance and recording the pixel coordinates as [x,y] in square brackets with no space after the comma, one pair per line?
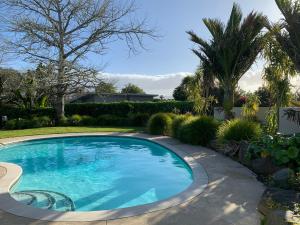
[10,80]
[278,72]
[232,50]
[289,33]
[132,89]
[105,87]
[62,32]
[181,93]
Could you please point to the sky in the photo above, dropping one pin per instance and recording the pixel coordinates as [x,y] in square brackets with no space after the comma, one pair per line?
[160,68]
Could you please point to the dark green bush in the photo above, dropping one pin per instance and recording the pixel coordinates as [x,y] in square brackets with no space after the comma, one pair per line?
[14,113]
[97,109]
[283,150]
[11,124]
[75,120]
[45,121]
[124,108]
[239,129]
[198,130]
[111,120]
[160,124]
[63,122]
[88,121]
[177,123]
[139,119]
[30,123]
[35,122]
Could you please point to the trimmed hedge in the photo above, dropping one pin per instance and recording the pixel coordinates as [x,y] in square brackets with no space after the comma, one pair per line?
[15,113]
[96,109]
[125,108]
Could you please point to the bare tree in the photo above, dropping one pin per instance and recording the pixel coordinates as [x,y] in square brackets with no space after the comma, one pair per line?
[62,32]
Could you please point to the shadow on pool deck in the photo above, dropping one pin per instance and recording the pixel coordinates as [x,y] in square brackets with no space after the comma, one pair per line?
[231,197]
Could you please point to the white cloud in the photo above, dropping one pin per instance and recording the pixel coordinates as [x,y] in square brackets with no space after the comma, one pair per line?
[165,84]
[152,84]
[252,80]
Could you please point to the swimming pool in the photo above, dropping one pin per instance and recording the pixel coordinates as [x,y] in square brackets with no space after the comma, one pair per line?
[95,173]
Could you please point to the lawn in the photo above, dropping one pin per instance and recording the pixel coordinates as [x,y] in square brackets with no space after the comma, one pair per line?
[62,130]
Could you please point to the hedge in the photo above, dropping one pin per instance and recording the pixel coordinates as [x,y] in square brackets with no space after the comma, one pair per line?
[15,113]
[97,109]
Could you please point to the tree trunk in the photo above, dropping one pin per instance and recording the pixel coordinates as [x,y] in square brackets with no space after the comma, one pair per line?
[60,107]
[228,102]
[60,98]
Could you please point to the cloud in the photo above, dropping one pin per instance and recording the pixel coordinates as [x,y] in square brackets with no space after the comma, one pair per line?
[152,84]
[252,80]
[165,84]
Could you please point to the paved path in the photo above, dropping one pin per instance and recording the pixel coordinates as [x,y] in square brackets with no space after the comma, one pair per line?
[231,197]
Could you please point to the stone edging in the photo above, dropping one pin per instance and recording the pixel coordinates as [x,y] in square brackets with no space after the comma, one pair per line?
[14,172]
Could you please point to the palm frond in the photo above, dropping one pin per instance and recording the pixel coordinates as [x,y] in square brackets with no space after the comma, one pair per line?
[215,27]
[232,49]
[289,34]
[234,20]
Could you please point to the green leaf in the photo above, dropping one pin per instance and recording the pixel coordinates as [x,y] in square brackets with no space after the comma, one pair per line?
[281,157]
[293,152]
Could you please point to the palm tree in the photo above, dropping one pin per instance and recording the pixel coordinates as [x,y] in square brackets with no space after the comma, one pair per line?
[232,50]
[289,34]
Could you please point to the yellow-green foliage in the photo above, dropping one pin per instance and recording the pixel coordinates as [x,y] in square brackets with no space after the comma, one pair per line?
[238,129]
[177,123]
[160,124]
[198,130]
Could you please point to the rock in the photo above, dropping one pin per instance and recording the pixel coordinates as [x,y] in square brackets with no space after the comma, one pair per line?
[276,198]
[281,177]
[264,166]
[243,153]
[281,217]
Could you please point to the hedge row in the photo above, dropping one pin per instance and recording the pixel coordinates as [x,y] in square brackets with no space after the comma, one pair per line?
[15,113]
[118,109]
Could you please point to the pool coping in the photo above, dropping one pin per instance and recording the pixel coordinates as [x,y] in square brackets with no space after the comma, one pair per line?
[14,172]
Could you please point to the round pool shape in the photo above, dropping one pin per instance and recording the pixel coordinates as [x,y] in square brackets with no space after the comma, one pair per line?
[99,173]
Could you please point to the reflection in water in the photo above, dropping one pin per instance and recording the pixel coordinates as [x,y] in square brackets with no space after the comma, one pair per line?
[99,173]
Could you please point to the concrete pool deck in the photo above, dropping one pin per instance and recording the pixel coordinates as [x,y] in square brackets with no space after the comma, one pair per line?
[231,196]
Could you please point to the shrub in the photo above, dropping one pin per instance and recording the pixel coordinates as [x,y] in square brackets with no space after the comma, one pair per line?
[63,122]
[88,121]
[198,130]
[238,130]
[11,124]
[111,120]
[75,120]
[30,123]
[284,151]
[45,121]
[139,119]
[35,122]
[160,124]
[177,123]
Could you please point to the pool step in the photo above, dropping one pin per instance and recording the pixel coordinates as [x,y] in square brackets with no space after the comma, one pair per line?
[45,200]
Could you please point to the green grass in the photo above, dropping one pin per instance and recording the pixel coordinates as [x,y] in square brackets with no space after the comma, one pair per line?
[62,130]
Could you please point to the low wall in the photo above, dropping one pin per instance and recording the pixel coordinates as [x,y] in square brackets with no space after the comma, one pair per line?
[286,126]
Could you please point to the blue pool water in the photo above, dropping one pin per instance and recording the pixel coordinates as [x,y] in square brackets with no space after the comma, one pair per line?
[96,173]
